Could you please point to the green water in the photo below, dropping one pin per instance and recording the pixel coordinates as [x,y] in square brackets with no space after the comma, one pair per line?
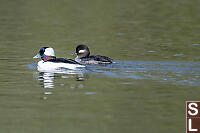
[155,44]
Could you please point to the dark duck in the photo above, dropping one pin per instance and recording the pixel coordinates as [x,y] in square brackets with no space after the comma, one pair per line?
[84,57]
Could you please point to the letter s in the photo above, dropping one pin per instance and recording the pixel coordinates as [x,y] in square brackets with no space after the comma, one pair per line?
[193,108]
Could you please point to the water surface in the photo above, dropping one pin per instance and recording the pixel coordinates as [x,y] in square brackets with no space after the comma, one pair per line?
[155,45]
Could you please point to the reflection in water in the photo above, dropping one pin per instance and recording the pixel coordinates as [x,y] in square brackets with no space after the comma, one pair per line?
[46,79]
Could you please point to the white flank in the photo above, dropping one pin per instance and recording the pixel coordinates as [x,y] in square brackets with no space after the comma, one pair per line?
[51,66]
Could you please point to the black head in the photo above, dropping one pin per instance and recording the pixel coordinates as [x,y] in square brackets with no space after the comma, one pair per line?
[82,51]
[42,50]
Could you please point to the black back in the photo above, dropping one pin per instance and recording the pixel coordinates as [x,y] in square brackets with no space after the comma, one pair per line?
[99,58]
[63,60]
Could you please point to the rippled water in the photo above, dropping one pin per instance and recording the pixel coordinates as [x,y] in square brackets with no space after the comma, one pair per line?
[155,45]
[176,73]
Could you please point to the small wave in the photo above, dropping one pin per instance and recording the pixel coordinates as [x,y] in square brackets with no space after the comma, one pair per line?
[182,73]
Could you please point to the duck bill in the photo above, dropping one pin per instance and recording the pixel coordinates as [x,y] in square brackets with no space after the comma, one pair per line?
[37,56]
[74,54]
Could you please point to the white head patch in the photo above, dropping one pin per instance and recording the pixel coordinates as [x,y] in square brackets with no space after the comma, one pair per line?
[81,51]
[49,52]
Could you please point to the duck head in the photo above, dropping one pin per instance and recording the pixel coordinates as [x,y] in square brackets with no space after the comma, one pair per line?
[46,53]
[82,51]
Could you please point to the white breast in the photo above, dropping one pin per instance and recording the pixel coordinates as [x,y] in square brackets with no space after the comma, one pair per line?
[50,66]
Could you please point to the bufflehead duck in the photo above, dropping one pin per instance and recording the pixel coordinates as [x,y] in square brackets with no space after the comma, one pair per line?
[50,62]
[83,56]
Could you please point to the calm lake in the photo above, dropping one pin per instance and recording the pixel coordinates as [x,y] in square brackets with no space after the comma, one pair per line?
[155,45]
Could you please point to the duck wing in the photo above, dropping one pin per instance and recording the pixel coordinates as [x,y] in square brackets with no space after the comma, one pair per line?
[64,60]
[101,59]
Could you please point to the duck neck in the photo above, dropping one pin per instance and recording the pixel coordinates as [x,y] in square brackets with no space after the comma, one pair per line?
[77,59]
[46,58]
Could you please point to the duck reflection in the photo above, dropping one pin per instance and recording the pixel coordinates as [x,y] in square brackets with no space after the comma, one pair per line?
[47,79]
